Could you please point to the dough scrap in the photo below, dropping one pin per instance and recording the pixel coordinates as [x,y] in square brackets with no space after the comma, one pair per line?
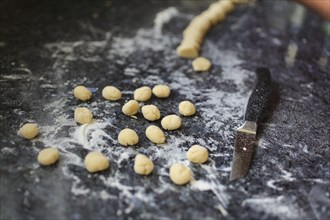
[130,108]
[180,174]
[142,94]
[161,91]
[171,122]
[128,137]
[111,93]
[228,6]
[82,93]
[83,115]
[201,64]
[187,108]
[143,165]
[48,156]
[155,134]
[197,154]
[96,161]
[195,32]
[150,112]
[29,131]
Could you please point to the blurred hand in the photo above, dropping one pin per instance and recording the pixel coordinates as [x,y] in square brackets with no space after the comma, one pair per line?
[322,7]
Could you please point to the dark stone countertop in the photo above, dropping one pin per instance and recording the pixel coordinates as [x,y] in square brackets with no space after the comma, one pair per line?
[48,47]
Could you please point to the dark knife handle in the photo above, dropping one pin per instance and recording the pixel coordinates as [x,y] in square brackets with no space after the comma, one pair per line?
[260,95]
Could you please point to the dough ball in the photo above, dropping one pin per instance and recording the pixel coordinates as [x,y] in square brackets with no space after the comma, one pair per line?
[82,93]
[130,108]
[150,112]
[201,64]
[111,93]
[143,165]
[187,108]
[171,122]
[96,161]
[48,156]
[180,174]
[128,137]
[142,94]
[155,134]
[83,115]
[161,91]
[29,131]
[197,154]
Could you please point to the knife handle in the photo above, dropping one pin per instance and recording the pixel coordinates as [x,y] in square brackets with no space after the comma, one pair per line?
[260,95]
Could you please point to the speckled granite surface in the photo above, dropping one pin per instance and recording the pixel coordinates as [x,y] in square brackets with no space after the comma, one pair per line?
[48,47]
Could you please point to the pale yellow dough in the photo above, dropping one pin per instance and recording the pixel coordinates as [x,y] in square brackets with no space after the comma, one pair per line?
[180,174]
[155,134]
[187,108]
[171,122]
[130,108]
[201,64]
[150,112]
[161,91]
[187,51]
[128,137]
[195,32]
[48,156]
[111,93]
[142,94]
[197,154]
[83,115]
[29,131]
[96,161]
[143,165]
[82,93]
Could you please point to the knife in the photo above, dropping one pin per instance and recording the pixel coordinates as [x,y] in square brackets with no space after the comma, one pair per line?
[246,134]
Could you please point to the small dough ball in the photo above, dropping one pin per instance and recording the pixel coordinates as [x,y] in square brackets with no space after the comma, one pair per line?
[197,154]
[128,137]
[151,112]
[83,115]
[155,134]
[130,108]
[161,91]
[171,122]
[180,174]
[82,93]
[111,93]
[142,94]
[187,51]
[143,165]
[187,108]
[96,161]
[48,156]
[29,131]
[201,64]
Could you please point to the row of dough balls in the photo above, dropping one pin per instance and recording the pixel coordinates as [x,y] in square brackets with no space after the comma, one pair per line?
[114,94]
[96,161]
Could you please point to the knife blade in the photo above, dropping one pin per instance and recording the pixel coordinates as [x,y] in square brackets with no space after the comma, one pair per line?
[246,134]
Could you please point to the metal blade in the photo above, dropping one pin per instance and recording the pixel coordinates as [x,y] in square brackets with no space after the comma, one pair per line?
[244,146]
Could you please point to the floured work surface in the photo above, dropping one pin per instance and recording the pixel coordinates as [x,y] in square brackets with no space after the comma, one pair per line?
[49,48]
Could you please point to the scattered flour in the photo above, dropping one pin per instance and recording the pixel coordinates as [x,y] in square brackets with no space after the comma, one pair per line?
[214,112]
